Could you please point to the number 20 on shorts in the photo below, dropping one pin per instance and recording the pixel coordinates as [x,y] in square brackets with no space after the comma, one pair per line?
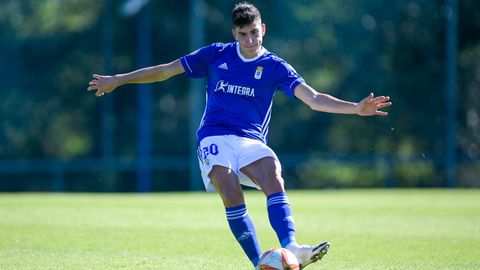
[207,150]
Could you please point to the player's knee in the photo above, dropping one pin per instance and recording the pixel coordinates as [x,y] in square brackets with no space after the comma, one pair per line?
[279,182]
[273,185]
[231,193]
[232,196]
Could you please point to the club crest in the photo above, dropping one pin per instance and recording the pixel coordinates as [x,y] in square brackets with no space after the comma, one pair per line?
[258,73]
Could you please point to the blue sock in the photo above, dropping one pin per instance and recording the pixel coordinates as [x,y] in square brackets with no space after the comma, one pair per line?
[242,228]
[281,219]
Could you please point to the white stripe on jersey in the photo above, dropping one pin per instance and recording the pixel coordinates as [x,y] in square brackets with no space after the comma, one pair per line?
[202,120]
[266,121]
[188,66]
[293,90]
[264,135]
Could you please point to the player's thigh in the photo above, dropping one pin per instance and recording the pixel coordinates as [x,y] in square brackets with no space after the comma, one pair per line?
[215,151]
[267,173]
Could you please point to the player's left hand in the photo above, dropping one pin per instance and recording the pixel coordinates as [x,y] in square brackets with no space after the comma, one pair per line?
[102,84]
[371,105]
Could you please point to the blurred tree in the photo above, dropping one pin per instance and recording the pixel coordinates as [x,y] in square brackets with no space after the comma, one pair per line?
[44,63]
[469,91]
[346,48]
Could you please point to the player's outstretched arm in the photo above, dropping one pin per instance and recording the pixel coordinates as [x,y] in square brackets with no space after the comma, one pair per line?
[105,84]
[327,103]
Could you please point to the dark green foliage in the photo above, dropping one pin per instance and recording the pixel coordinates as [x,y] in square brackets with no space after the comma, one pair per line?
[347,48]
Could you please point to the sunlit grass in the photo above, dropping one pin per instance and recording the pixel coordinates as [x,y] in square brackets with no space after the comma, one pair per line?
[368,229]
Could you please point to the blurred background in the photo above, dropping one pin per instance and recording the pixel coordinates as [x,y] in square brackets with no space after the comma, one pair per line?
[56,136]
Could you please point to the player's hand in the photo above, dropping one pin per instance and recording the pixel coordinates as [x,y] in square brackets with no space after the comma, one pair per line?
[371,105]
[102,84]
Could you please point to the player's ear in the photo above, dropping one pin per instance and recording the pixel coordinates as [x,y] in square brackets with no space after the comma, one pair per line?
[234,33]
[264,29]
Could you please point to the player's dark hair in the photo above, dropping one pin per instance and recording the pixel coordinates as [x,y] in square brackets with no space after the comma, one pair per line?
[244,13]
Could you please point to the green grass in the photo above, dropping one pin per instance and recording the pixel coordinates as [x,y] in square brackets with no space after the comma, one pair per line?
[368,229]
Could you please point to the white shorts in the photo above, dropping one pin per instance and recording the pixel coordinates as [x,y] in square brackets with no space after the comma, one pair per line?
[232,152]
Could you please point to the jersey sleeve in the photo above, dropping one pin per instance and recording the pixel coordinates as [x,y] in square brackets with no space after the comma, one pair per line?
[289,79]
[196,63]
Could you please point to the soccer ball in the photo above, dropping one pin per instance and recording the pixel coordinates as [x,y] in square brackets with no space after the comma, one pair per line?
[278,259]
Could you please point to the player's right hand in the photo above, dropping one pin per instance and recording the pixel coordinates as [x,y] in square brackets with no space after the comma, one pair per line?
[102,84]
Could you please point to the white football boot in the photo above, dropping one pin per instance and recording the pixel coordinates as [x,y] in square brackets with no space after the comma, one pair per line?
[308,254]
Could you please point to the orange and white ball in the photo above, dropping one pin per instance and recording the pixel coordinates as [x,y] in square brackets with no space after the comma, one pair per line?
[278,259]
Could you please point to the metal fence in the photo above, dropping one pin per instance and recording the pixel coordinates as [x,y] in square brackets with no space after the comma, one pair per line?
[145,168]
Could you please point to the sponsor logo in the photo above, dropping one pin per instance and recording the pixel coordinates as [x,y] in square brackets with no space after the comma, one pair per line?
[244,236]
[228,88]
[289,219]
[223,66]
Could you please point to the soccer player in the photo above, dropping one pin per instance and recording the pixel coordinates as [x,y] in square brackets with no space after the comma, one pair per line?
[242,78]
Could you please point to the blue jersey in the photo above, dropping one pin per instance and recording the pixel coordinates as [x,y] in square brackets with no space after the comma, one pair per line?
[239,90]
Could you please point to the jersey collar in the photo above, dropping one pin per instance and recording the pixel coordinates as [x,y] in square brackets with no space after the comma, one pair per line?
[244,59]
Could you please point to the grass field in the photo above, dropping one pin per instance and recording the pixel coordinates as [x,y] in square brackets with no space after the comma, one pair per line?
[368,229]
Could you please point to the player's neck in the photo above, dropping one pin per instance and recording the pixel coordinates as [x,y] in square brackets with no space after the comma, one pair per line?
[252,55]
[247,57]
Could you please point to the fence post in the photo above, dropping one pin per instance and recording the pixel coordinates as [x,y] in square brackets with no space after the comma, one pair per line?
[106,103]
[197,33]
[144,128]
[451,99]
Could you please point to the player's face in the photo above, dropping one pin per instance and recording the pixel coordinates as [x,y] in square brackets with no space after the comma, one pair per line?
[250,38]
